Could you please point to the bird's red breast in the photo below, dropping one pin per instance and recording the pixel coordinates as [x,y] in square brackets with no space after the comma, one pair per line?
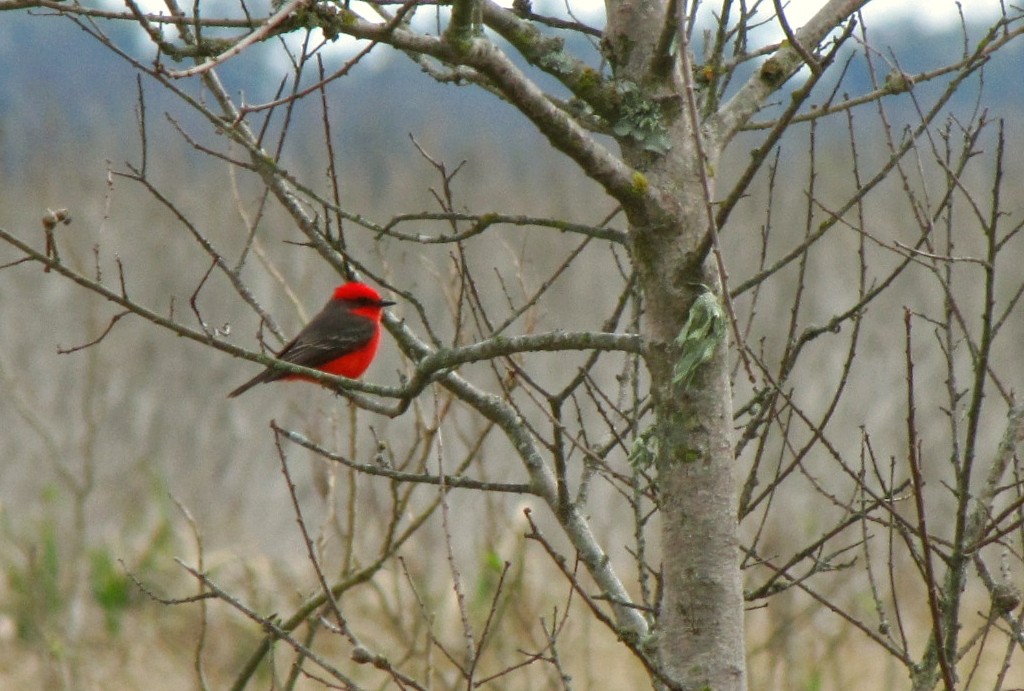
[341,339]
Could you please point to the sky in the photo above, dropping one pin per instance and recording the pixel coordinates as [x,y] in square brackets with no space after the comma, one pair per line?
[924,15]
[927,14]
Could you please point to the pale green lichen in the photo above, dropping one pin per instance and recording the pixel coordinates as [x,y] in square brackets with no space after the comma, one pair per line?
[641,119]
[556,63]
[644,450]
[700,336]
[772,72]
[588,79]
[639,184]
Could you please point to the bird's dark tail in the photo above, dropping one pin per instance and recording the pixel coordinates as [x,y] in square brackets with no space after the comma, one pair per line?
[258,379]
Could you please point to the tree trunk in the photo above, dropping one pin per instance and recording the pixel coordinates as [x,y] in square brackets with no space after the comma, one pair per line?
[701,620]
[700,627]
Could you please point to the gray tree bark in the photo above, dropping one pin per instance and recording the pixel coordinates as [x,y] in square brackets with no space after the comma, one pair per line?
[700,636]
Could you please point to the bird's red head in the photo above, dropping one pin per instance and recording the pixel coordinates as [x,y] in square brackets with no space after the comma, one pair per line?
[356,291]
[362,299]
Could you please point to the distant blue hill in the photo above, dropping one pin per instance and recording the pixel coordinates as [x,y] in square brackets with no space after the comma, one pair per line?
[56,81]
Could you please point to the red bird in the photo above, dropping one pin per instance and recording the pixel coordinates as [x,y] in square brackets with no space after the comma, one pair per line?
[342,339]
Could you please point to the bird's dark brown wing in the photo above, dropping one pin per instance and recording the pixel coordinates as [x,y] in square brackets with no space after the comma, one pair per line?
[334,331]
[329,335]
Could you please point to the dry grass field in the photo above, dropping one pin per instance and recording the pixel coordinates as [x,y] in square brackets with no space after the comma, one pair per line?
[121,459]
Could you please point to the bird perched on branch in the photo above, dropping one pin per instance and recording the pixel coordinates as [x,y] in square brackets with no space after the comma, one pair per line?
[342,339]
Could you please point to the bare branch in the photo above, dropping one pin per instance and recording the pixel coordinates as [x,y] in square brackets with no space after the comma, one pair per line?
[777,70]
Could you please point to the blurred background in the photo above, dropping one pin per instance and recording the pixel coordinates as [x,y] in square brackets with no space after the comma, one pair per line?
[99,446]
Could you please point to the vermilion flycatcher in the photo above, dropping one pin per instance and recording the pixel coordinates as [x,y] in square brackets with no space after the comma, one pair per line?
[342,339]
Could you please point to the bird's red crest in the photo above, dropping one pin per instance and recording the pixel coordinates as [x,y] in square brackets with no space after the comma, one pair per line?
[356,291]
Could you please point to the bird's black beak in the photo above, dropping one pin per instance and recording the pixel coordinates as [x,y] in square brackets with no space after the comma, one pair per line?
[387,303]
